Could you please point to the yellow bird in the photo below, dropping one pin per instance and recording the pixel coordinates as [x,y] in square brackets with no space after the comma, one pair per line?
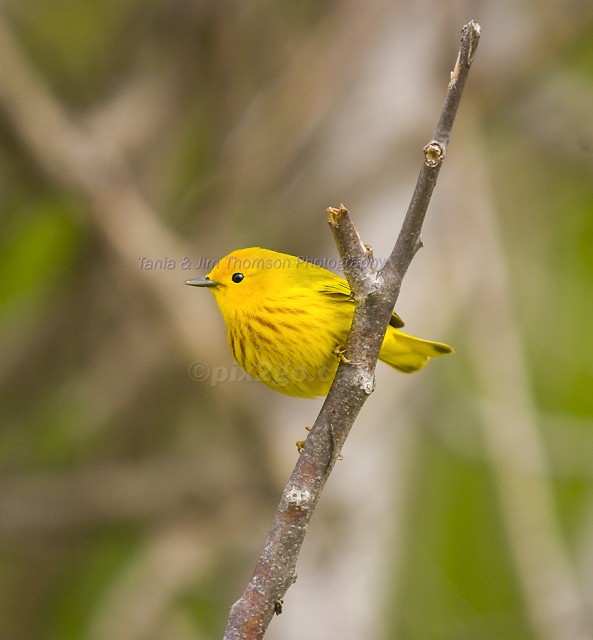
[287,320]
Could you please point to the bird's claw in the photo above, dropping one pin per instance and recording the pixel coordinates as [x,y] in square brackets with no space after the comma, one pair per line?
[339,353]
[300,444]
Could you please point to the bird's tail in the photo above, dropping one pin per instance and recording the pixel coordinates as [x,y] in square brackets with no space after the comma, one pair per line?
[407,353]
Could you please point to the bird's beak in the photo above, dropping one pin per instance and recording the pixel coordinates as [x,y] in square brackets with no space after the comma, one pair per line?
[202,282]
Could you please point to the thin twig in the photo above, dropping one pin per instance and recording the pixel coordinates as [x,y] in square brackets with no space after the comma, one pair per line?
[408,241]
[376,293]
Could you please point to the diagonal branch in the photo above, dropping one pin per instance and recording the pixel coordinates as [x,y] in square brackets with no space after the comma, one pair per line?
[376,293]
[408,241]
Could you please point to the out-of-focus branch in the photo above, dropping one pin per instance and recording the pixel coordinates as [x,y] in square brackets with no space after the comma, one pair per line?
[376,294]
[317,69]
[92,167]
[62,502]
[516,452]
[139,602]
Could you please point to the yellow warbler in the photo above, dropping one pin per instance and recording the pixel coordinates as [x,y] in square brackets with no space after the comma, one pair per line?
[287,320]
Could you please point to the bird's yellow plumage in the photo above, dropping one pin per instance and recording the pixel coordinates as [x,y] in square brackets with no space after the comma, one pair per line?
[286,319]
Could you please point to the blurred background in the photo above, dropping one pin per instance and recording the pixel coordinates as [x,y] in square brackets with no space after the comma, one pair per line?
[138,473]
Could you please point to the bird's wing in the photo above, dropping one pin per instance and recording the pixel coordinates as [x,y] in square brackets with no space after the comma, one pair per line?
[339,290]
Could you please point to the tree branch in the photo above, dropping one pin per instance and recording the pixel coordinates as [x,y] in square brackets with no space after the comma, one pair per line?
[376,293]
[409,241]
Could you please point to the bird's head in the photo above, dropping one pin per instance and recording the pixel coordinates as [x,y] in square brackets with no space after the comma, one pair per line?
[247,277]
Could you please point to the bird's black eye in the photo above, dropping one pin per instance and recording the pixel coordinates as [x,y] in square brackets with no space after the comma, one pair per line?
[237,277]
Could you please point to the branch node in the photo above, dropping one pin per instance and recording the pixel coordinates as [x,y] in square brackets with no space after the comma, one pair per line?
[298,498]
[434,154]
[367,382]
